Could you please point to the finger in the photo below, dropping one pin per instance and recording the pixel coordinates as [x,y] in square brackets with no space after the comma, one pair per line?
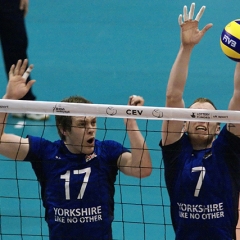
[206,28]
[191,12]
[130,101]
[185,15]
[30,83]
[27,72]
[136,100]
[17,67]
[200,13]
[180,21]
[23,66]
[11,71]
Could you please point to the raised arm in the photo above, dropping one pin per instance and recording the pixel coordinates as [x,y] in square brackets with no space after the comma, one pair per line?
[234,103]
[13,146]
[138,162]
[190,36]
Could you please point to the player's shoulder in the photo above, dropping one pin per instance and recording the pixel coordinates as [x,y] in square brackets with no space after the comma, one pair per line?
[183,141]
[43,143]
[109,148]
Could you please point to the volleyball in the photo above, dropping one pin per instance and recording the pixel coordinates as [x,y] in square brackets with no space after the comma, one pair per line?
[230,40]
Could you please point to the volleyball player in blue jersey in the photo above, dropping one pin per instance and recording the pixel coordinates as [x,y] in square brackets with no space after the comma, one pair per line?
[202,163]
[76,173]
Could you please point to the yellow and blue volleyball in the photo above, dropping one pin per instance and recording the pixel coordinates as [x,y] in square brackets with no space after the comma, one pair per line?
[230,40]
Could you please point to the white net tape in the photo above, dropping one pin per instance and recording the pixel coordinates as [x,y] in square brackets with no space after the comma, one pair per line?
[119,111]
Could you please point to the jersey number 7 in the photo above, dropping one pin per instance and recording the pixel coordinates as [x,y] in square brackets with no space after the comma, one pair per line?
[200,179]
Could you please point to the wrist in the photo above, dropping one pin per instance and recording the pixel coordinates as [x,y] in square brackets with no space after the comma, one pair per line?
[8,97]
[187,47]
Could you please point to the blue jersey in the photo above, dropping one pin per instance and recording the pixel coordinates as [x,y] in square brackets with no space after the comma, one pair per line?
[77,190]
[204,187]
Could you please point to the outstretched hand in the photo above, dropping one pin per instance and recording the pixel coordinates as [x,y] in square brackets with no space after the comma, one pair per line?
[17,86]
[190,34]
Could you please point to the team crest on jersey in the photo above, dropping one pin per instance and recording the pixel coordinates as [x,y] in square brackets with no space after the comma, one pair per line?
[90,157]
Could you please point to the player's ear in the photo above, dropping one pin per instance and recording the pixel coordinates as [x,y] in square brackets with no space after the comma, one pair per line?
[62,131]
[218,129]
[184,128]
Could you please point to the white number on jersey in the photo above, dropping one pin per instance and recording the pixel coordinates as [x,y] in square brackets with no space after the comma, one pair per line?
[66,176]
[200,179]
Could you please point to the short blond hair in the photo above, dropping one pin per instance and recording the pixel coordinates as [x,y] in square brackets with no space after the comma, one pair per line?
[203,100]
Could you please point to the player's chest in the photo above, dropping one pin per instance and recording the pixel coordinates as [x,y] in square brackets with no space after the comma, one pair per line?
[75,167]
[203,169]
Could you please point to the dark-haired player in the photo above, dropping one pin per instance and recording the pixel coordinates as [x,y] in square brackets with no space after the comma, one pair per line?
[77,172]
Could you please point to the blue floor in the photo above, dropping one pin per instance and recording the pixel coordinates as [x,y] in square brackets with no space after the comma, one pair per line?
[106,51]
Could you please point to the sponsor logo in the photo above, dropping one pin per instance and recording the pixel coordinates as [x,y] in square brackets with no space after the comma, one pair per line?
[134,112]
[201,115]
[90,157]
[229,41]
[1,106]
[60,109]
[220,117]
[208,116]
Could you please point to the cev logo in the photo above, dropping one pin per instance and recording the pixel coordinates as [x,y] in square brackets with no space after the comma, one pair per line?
[134,112]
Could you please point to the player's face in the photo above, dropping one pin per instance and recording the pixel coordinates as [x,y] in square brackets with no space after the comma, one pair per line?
[81,138]
[202,134]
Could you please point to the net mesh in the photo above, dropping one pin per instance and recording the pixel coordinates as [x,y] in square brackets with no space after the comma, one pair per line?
[142,208]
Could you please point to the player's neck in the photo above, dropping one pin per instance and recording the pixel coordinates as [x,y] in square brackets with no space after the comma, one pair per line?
[201,143]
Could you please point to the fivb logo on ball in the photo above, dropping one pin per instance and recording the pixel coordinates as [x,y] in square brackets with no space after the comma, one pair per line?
[230,40]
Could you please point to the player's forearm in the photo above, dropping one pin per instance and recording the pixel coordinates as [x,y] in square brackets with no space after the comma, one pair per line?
[178,77]
[234,103]
[141,160]
[3,119]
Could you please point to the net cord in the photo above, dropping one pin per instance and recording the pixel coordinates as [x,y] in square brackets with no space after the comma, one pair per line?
[119,111]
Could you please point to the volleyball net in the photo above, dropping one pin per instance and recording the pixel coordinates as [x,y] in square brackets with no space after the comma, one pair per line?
[142,209]
[118,111]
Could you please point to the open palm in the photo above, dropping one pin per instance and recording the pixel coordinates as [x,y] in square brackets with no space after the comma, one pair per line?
[17,86]
[190,34]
